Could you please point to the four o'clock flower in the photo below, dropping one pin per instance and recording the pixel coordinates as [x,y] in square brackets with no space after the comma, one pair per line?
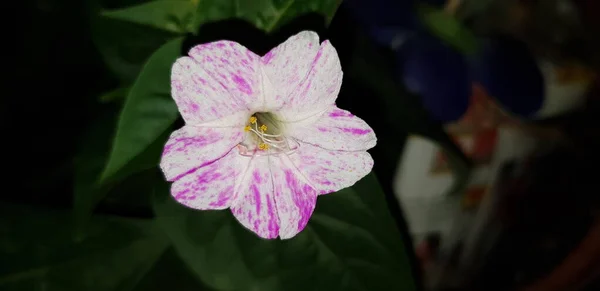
[263,136]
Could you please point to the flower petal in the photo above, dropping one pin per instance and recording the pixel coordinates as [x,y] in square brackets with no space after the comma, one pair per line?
[321,86]
[287,65]
[294,197]
[254,205]
[335,129]
[234,67]
[331,171]
[199,97]
[192,147]
[211,186]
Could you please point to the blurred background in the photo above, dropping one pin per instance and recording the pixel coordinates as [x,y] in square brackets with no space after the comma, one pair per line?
[485,177]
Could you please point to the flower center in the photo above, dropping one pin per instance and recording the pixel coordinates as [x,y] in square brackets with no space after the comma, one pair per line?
[264,136]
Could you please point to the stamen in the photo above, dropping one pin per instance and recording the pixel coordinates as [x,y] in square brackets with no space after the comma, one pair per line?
[260,141]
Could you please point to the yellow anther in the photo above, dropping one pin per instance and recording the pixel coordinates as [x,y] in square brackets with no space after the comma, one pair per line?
[263,128]
[252,119]
[247,128]
[263,146]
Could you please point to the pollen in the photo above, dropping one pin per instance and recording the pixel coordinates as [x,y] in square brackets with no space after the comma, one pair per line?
[263,128]
[263,146]
[252,120]
[247,128]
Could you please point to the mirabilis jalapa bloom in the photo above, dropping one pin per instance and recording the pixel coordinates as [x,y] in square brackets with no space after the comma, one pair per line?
[263,135]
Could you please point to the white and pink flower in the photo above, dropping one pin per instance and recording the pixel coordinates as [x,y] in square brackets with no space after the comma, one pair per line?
[263,135]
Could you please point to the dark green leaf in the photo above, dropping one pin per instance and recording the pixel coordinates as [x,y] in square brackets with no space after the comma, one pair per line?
[39,252]
[267,15]
[125,46]
[148,111]
[351,243]
[170,273]
[169,15]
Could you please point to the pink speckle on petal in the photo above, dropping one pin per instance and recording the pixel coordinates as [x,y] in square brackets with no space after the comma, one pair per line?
[356,131]
[273,226]
[290,179]
[223,197]
[268,57]
[242,84]
[181,195]
[319,54]
[340,113]
[257,178]
[256,197]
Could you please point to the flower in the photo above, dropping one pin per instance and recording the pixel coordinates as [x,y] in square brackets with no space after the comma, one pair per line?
[263,135]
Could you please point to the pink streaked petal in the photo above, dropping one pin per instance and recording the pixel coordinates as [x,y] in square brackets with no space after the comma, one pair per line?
[322,85]
[254,205]
[331,171]
[232,66]
[211,186]
[288,64]
[192,147]
[199,97]
[335,129]
[294,197]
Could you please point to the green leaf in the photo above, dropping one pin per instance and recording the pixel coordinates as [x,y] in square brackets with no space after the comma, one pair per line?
[39,252]
[350,243]
[127,37]
[142,129]
[448,28]
[267,15]
[176,16]
[91,159]
[148,112]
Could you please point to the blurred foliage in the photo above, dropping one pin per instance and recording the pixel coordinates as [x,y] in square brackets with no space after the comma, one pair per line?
[448,28]
[126,233]
[405,112]
[563,31]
